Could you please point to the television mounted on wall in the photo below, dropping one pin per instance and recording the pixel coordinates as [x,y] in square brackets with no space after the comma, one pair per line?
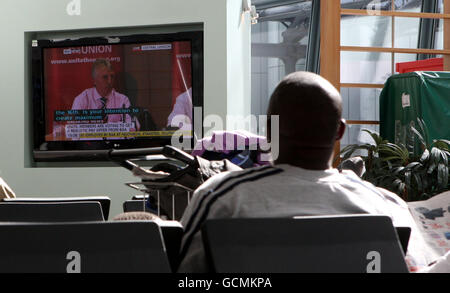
[94,94]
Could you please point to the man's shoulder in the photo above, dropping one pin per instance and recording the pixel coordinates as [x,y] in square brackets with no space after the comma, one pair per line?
[81,101]
[216,187]
[384,193]
[86,93]
[119,95]
[230,179]
[350,176]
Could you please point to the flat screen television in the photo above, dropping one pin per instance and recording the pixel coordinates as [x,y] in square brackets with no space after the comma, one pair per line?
[124,92]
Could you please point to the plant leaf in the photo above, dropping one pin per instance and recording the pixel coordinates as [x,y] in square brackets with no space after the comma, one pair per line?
[413,165]
[425,156]
[418,179]
[444,158]
[397,170]
[442,144]
[434,159]
[408,179]
[442,175]
[423,130]
[421,139]
[375,136]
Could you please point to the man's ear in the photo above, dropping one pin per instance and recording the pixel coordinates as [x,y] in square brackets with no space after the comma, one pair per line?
[341,130]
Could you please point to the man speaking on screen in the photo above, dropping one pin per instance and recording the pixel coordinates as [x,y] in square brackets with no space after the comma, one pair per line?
[103,96]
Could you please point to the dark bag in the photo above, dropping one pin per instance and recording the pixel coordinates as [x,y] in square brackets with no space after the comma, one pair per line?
[169,196]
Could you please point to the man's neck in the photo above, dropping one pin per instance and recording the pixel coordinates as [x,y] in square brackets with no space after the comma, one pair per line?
[103,94]
[307,159]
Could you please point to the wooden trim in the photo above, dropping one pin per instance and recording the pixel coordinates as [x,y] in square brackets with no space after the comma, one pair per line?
[393,39]
[364,122]
[362,85]
[363,12]
[446,34]
[330,42]
[395,50]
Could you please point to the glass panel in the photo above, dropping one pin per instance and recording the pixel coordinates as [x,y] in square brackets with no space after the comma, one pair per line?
[366,31]
[376,31]
[402,5]
[365,4]
[354,135]
[439,35]
[361,104]
[266,74]
[279,45]
[365,67]
[409,5]
[406,32]
[440,8]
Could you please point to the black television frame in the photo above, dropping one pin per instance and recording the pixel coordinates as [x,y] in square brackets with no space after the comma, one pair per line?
[88,150]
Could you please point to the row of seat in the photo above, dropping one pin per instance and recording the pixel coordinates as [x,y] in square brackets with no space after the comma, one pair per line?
[54,209]
[362,243]
[73,234]
[67,209]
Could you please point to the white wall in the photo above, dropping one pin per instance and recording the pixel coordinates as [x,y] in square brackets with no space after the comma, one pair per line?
[238,50]
[23,19]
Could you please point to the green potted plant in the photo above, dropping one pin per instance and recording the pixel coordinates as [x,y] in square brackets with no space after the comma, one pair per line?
[414,173]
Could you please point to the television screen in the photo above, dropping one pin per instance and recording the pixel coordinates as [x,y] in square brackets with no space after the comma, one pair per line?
[121,92]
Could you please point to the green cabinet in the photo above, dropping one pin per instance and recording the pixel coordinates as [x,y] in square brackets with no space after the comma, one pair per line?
[406,97]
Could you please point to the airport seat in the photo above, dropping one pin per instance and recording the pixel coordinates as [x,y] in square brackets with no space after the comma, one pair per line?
[50,212]
[86,247]
[104,201]
[351,244]
[172,232]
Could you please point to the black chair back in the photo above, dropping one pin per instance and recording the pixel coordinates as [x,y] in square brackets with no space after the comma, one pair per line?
[50,212]
[360,243]
[95,247]
[104,201]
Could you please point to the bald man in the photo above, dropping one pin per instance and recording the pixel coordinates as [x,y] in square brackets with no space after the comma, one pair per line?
[302,181]
[310,123]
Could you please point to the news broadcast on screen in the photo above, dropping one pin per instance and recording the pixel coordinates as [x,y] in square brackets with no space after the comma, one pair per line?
[117,91]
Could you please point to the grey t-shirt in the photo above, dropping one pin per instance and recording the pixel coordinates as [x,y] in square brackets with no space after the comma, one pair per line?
[280,191]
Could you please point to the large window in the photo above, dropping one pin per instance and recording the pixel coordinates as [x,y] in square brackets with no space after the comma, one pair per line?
[363,73]
[375,37]
[279,46]
[365,41]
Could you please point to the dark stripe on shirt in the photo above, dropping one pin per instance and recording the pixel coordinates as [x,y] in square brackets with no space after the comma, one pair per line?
[216,194]
[238,174]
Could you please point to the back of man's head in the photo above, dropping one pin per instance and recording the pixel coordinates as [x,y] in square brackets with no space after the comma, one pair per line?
[309,109]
